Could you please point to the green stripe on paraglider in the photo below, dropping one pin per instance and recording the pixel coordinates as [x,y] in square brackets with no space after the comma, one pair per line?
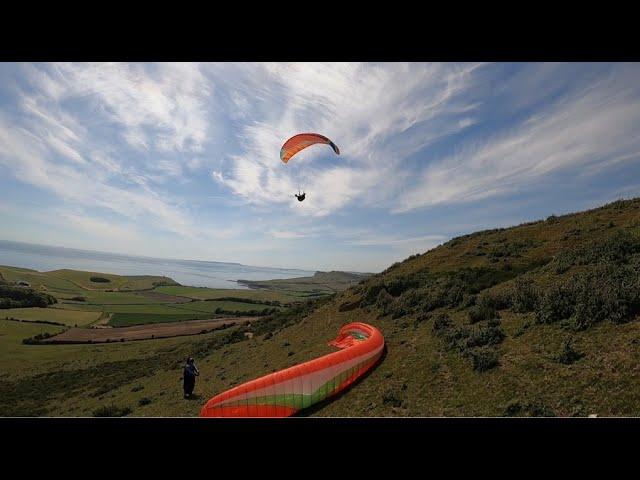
[299,400]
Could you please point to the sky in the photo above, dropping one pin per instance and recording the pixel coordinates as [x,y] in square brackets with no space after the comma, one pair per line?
[181,160]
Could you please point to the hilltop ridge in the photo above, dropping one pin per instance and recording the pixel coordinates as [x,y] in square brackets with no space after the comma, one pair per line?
[535,319]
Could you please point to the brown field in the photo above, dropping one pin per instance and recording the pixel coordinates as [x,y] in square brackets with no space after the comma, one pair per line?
[144,332]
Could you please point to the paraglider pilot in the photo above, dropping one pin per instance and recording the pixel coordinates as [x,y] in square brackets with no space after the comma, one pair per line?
[300,196]
[189,374]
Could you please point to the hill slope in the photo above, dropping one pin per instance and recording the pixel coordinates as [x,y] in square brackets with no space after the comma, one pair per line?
[321,283]
[538,319]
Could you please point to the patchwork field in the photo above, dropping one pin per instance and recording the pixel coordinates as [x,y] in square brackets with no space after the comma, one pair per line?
[144,332]
[67,317]
[43,370]
[203,293]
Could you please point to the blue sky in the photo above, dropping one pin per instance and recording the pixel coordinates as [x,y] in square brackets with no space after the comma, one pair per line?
[182,160]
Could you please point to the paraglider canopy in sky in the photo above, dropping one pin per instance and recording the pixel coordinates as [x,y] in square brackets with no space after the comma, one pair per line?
[301,141]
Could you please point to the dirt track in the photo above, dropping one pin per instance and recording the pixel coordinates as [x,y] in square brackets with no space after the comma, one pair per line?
[144,332]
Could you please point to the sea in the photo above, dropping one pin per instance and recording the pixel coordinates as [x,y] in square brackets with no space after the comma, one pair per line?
[194,273]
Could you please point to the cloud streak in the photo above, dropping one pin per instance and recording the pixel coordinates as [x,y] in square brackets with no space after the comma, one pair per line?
[584,132]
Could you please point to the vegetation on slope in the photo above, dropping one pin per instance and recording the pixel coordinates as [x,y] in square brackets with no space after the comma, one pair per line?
[534,320]
[12,296]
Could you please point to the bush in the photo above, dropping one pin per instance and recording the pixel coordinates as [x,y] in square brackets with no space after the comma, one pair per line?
[606,293]
[348,306]
[391,397]
[479,313]
[100,280]
[36,339]
[603,292]
[112,411]
[494,300]
[484,359]
[555,304]
[485,335]
[568,354]
[524,295]
[144,401]
[530,409]
[21,297]
[441,323]
[616,248]
[468,301]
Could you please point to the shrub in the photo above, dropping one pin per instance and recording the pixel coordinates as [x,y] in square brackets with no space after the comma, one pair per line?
[391,397]
[111,411]
[530,409]
[484,359]
[520,331]
[494,300]
[348,306]
[524,295]
[616,248]
[441,323]
[144,401]
[100,280]
[20,297]
[480,313]
[468,301]
[602,292]
[568,354]
[485,335]
[555,304]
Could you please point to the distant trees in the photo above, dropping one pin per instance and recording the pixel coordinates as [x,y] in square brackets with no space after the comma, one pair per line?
[100,280]
[20,297]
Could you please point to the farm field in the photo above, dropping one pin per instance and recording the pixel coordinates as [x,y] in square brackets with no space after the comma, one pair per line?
[144,332]
[67,317]
[203,293]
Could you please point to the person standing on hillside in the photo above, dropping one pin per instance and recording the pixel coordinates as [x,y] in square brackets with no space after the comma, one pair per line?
[189,374]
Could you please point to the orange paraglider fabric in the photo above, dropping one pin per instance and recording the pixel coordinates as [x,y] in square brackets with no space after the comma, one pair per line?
[283,393]
[301,141]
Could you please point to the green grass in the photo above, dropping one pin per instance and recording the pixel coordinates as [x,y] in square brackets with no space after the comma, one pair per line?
[154,308]
[67,317]
[38,279]
[321,283]
[116,282]
[419,376]
[17,359]
[211,306]
[101,298]
[202,293]
[128,319]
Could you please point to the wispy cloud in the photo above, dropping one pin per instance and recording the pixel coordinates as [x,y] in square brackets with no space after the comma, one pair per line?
[361,107]
[182,160]
[585,131]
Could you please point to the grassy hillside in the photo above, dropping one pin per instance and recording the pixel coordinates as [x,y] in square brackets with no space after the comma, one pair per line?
[204,293]
[534,320]
[539,319]
[321,283]
[126,300]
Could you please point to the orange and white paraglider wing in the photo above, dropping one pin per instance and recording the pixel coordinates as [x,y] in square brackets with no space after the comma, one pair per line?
[283,393]
[301,141]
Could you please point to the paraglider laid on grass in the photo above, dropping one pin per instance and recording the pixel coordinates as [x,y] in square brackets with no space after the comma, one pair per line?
[283,393]
[298,143]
